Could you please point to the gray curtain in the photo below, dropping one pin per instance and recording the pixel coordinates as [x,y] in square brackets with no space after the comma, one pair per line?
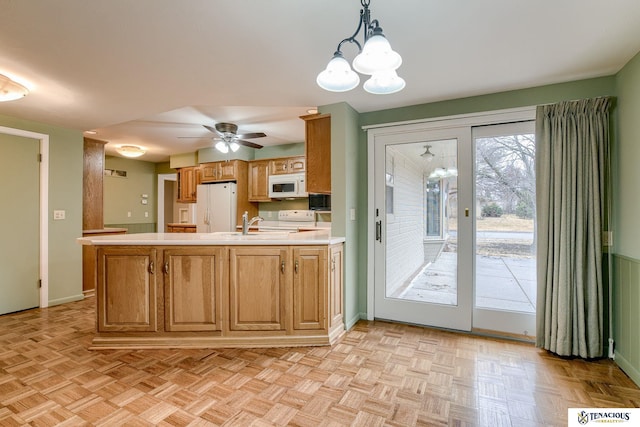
[572,153]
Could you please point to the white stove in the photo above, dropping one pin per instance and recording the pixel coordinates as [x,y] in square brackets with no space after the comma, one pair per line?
[291,220]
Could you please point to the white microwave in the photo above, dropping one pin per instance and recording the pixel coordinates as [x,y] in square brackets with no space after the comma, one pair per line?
[287,186]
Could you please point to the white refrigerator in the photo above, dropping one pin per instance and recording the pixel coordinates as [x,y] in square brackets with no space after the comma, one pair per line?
[216,207]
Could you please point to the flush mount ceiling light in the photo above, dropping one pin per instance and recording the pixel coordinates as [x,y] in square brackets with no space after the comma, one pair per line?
[130,150]
[427,155]
[376,59]
[11,90]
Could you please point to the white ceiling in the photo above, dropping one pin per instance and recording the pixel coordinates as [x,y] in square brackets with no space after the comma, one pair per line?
[146,72]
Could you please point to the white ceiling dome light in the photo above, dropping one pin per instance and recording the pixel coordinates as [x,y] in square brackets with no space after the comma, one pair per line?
[11,90]
[130,150]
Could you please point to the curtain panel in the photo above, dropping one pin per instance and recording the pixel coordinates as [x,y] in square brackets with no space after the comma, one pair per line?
[572,155]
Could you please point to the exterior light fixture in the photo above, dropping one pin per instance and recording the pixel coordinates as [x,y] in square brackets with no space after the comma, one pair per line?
[130,150]
[11,90]
[427,155]
[376,59]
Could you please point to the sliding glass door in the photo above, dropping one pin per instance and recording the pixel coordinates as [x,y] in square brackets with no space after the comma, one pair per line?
[454,222]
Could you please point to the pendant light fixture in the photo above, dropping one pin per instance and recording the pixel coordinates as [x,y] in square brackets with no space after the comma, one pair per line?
[376,59]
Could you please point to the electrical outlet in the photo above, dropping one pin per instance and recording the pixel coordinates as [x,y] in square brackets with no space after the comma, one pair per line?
[57,215]
[352,214]
[146,214]
[129,214]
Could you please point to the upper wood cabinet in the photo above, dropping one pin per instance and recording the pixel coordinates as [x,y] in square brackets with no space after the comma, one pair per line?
[318,152]
[286,165]
[259,180]
[219,171]
[187,184]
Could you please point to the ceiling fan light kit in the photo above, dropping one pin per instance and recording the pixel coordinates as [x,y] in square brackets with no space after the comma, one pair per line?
[10,90]
[376,59]
[230,140]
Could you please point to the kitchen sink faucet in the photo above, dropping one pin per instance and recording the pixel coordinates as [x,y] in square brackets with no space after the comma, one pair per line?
[246,223]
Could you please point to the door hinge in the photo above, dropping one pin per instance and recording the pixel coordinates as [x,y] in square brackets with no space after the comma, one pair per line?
[39,283]
[39,158]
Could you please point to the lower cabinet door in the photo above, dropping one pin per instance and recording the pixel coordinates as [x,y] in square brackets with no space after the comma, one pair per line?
[192,288]
[309,285]
[257,288]
[126,294]
[336,255]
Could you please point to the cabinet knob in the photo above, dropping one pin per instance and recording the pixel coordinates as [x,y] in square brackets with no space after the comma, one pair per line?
[296,267]
[165,268]
[151,268]
[282,267]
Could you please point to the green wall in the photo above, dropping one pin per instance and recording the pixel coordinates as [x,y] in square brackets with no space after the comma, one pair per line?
[346,183]
[65,193]
[124,195]
[626,202]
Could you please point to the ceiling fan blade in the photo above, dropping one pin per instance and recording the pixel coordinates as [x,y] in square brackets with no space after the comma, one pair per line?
[211,129]
[195,137]
[252,135]
[247,143]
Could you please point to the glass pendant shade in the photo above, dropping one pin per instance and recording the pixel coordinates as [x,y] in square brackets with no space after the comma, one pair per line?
[234,146]
[338,76]
[384,82]
[376,56]
[222,147]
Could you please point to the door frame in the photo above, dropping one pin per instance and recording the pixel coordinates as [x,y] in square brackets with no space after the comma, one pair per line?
[373,131]
[44,206]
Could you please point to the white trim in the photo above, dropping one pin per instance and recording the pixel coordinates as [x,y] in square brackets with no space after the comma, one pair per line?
[160,202]
[471,119]
[410,126]
[44,207]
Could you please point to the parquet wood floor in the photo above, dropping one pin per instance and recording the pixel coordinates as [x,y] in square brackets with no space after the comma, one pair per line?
[379,374]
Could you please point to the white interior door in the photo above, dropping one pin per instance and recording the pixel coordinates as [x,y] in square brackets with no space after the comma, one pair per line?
[19,223]
[423,220]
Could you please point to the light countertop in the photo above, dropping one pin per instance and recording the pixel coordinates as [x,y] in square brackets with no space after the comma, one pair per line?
[318,237]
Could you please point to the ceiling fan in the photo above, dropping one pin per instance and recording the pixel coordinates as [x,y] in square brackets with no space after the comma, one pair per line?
[230,139]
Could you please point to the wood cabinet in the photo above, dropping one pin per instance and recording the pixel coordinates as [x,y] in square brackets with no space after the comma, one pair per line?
[218,296]
[336,268]
[126,289]
[181,228]
[287,165]
[318,152]
[188,181]
[257,292]
[309,288]
[193,280]
[258,172]
[219,171]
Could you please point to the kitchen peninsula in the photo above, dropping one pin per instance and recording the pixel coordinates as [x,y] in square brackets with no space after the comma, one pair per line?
[208,290]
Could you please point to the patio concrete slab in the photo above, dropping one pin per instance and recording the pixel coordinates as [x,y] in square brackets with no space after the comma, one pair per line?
[501,283]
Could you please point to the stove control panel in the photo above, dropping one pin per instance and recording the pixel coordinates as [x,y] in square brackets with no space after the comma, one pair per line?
[298,216]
